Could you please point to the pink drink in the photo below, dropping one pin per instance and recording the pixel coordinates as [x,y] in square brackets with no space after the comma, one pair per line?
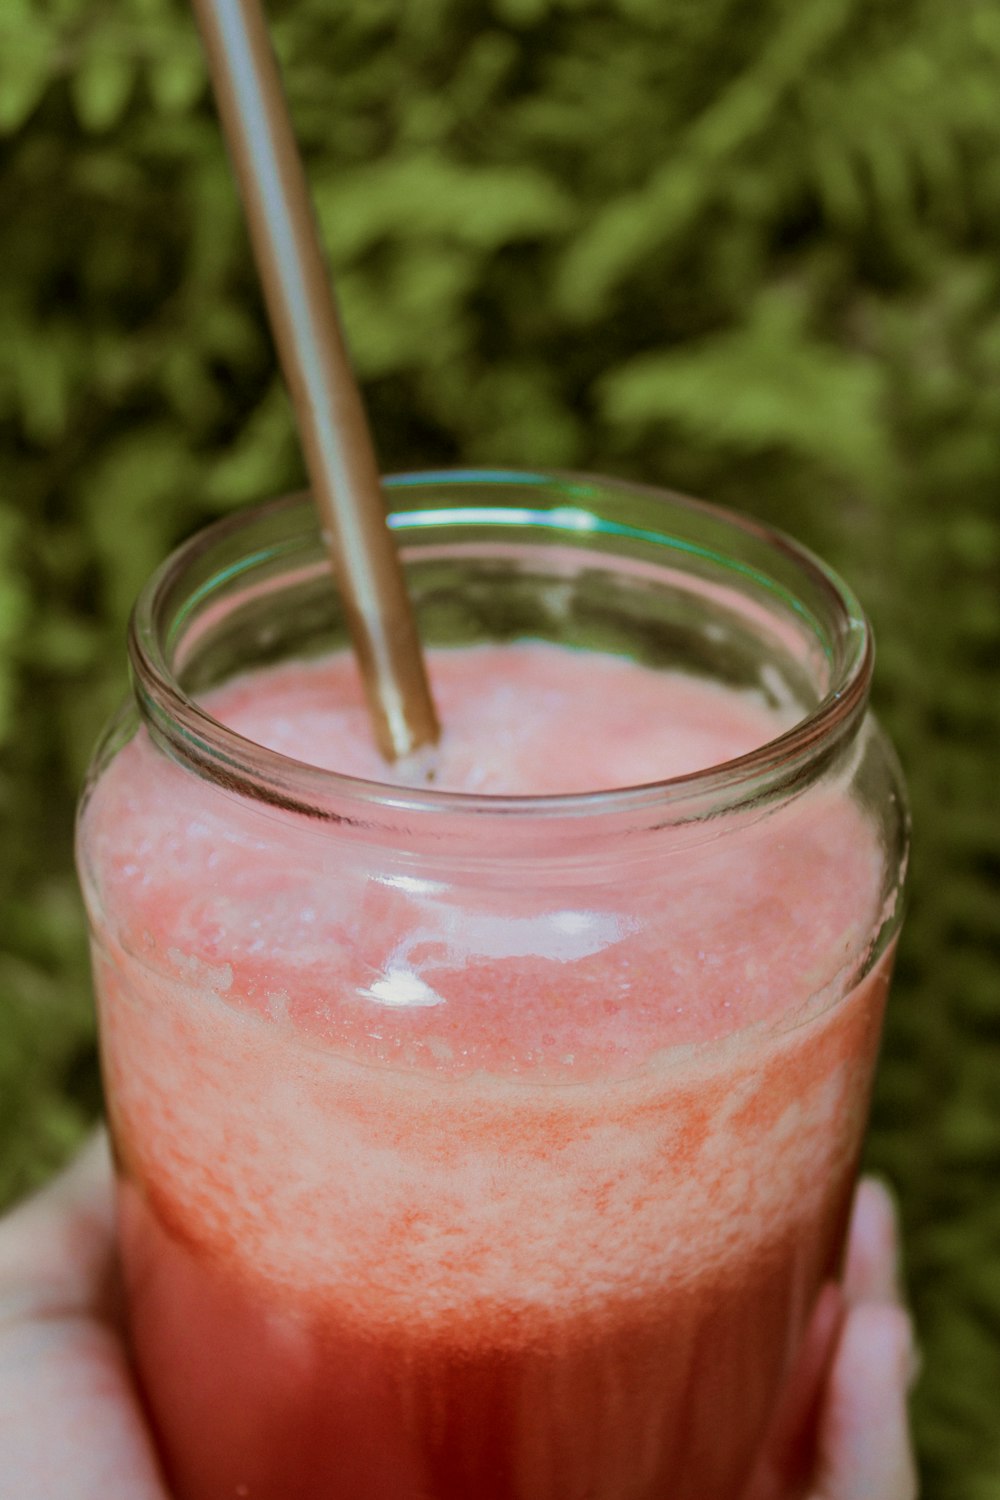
[500,1179]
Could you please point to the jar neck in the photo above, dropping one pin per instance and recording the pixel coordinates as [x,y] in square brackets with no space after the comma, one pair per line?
[691,579]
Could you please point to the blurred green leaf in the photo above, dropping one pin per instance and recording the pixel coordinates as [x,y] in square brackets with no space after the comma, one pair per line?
[129,501]
[256,462]
[426,195]
[177,74]
[764,385]
[102,84]
[27,62]
[14,611]
[411,314]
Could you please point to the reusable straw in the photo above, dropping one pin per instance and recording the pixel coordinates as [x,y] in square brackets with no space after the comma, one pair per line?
[338,449]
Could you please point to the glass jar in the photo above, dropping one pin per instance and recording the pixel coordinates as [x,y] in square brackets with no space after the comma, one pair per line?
[477,1145]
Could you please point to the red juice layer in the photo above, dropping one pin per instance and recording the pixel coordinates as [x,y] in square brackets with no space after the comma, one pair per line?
[519,1188]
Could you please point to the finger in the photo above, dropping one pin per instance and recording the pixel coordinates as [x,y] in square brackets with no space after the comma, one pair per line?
[70,1423]
[55,1249]
[864,1441]
[872,1273]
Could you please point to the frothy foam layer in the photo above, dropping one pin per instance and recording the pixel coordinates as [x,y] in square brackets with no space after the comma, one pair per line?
[394,1198]
[398,959]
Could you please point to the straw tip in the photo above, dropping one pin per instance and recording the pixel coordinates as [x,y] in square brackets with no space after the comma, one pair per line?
[420,767]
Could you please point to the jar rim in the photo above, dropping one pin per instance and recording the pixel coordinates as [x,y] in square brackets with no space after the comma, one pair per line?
[243,766]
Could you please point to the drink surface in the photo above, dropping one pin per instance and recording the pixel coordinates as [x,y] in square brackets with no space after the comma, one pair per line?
[513,1186]
[524,719]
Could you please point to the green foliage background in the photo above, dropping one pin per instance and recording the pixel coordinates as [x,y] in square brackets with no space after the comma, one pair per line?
[749,251]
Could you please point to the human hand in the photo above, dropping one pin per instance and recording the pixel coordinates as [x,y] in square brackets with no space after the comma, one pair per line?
[848,1413]
[71,1423]
[864,1435]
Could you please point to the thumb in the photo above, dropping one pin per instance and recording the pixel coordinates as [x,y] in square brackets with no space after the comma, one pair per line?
[864,1441]
[70,1424]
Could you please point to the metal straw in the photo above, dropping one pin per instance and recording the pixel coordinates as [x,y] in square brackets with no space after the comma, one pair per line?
[335,438]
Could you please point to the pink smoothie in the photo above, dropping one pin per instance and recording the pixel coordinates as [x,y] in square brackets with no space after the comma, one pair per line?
[440,1183]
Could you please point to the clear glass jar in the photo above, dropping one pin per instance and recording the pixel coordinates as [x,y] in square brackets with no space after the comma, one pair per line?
[474,1145]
